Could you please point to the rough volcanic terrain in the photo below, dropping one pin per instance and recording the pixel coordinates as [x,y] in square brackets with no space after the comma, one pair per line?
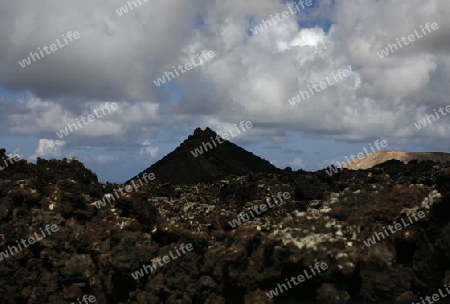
[326,219]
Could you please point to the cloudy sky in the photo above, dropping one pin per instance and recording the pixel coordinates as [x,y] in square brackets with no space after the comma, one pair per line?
[118,57]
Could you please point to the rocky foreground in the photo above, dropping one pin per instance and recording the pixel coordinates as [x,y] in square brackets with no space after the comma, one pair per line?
[95,251]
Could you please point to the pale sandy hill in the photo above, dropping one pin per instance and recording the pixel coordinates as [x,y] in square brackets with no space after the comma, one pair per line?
[380,157]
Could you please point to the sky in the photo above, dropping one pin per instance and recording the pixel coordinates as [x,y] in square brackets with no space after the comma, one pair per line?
[113,56]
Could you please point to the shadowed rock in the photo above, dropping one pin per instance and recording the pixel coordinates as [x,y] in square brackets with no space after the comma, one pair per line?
[182,167]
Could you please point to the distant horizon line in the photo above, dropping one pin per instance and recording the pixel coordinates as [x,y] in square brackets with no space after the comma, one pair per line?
[281,169]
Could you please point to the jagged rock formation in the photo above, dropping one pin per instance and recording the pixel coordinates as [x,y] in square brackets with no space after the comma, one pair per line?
[380,157]
[181,166]
[327,219]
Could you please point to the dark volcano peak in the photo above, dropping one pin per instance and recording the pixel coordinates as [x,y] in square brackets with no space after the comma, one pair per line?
[204,156]
[206,132]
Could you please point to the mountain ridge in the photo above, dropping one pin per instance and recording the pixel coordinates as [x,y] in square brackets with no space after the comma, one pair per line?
[380,157]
